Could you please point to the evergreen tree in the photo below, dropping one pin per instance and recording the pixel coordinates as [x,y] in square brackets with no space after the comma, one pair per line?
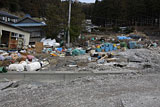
[77,18]
[57,19]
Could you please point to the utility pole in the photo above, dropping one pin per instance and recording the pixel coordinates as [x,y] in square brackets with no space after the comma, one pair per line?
[69,21]
[159,22]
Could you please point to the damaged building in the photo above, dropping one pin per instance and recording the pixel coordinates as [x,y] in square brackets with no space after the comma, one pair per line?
[33,26]
[12,37]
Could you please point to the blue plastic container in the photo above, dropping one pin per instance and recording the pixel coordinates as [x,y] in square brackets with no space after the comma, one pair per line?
[102,47]
[132,44]
[111,47]
[114,48]
[106,44]
[106,49]
[98,50]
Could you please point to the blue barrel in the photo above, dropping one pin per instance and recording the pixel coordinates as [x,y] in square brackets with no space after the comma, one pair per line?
[111,47]
[106,44]
[132,44]
[102,47]
[114,48]
[98,50]
[106,49]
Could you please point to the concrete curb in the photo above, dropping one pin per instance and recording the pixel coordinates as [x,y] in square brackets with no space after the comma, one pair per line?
[55,76]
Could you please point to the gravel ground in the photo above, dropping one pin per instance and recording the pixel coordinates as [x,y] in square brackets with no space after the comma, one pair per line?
[100,91]
[131,59]
[142,60]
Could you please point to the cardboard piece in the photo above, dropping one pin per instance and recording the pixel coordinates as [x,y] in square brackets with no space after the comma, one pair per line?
[39,47]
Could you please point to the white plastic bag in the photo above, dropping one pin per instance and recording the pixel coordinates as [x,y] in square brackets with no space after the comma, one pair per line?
[16,67]
[33,66]
[24,63]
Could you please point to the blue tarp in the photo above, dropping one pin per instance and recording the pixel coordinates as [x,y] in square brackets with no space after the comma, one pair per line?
[77,52]
[123,37]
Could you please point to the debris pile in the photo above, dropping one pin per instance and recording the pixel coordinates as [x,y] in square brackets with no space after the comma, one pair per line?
[49,55]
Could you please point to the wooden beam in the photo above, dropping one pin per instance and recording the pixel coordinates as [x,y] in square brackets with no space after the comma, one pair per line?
[9,43]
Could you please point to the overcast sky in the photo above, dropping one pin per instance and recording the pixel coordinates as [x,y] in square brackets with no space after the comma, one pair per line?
[87,1]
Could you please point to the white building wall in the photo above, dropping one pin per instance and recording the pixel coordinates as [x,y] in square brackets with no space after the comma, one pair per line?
[15,30]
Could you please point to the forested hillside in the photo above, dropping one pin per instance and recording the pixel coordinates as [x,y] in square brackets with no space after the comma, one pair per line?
[126,12]
[35,8]
[102,12]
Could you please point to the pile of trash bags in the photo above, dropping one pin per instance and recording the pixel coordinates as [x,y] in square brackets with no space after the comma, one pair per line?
[19,61]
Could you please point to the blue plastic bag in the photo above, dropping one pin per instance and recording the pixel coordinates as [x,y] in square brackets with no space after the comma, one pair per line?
[59,49]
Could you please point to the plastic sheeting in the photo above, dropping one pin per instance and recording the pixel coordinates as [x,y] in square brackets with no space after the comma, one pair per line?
[77,52]
[50,42]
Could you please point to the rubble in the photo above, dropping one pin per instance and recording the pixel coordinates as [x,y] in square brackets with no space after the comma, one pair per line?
[99,50]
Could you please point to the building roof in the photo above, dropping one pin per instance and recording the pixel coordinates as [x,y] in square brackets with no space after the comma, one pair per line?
[29,24]
[4,23]
[32,23]
[24,18]
[2,13]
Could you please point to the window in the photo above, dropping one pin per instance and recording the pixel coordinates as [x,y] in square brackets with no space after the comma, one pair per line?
[9,19]
[21,36]
[3,18]
[15,35]
[15,20]
[12,20]
[35,34]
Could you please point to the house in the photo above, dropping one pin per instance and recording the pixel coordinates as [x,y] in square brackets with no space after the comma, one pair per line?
[89,26]
[33,26]
[12,37]
[8,18]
